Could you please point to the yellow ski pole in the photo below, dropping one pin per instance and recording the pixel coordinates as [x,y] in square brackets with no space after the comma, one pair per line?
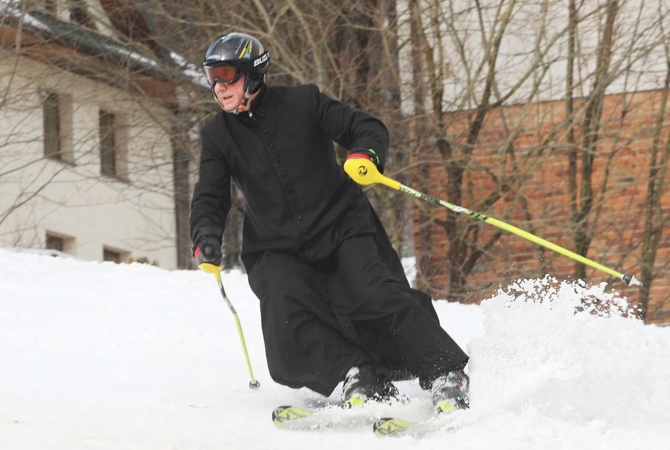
[216,270]
[364,172]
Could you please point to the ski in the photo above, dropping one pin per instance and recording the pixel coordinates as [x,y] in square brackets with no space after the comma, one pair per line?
[393,426]
[283,415]
[389,426]
[304,418]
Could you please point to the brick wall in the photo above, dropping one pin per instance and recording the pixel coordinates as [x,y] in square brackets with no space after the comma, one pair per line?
[538,201]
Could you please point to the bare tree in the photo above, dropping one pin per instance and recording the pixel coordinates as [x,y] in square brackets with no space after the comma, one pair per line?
[494,93]
[487,113]
[48,56]
[486,101]
[655,217]
[348,48]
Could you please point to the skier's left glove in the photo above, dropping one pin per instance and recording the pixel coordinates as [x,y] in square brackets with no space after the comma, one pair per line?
[207,249]
[369,154]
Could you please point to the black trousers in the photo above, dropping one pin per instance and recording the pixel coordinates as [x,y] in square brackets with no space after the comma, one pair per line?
[318,322]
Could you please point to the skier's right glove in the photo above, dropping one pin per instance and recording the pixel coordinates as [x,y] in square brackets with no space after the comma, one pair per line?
[207,249]
[367,153]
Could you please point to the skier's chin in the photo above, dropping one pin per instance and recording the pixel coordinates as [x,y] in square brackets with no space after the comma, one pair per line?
[234,109]
[229,105]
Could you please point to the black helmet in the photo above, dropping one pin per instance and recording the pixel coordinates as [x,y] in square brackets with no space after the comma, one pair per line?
[234,55]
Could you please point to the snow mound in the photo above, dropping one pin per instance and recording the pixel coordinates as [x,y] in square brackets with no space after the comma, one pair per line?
[133,357]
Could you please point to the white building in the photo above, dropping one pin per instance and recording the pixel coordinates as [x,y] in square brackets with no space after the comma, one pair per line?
[86,161]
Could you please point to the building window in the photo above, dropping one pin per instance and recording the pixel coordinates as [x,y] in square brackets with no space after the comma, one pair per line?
[114,255]
[79,14]
[112,145]
[53,143]
[111,255]
[108,144]
[57,121]
[55,243]
[51,6]
[59,242]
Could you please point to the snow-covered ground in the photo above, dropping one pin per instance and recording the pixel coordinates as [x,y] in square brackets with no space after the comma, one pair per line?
[120,357]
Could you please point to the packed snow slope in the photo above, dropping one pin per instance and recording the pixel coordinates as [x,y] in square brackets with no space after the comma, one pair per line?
[105,356]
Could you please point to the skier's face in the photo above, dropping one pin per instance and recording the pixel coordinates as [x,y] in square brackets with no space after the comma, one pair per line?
[230,96]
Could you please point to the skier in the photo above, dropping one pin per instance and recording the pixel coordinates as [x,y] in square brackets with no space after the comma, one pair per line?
[335,302]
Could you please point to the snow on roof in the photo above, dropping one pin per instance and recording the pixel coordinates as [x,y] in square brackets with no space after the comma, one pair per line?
[90,42]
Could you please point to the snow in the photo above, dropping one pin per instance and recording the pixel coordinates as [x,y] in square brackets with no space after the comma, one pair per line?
[104,356]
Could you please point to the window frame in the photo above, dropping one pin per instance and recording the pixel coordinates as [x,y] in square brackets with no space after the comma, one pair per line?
[57,126]
[112,145]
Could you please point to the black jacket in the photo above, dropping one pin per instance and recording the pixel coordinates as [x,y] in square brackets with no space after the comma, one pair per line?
[332,290]
[281,155]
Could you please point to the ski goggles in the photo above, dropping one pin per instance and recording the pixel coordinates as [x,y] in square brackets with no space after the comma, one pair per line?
[227,73]
[224,74]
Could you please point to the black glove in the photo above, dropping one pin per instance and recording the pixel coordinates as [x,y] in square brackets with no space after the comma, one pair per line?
[207,249]
[367,154]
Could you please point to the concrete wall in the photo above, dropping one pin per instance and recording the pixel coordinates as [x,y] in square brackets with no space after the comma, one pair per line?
[132,214]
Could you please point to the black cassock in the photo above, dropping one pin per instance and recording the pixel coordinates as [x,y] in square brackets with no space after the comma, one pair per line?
[332,290]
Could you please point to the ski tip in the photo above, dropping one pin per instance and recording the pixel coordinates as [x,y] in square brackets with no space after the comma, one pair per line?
[389,426]
[287,413]
[277,412]
[356,401]
[445,407]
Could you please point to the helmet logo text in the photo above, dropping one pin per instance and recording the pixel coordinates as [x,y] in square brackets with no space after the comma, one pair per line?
[264,57]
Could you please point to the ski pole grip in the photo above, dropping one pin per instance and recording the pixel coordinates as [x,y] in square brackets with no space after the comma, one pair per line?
[364,172]
[210,268]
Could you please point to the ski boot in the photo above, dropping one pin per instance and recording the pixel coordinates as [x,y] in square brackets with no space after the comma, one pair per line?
[450,392]
[362,384]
